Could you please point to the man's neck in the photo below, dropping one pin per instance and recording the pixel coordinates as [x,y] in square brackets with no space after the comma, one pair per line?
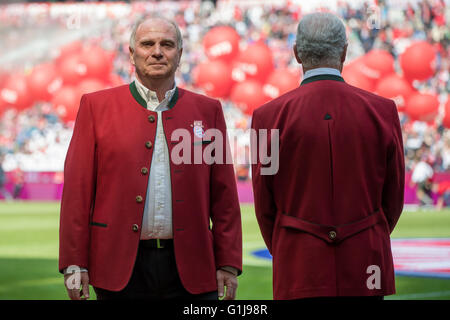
[160,86]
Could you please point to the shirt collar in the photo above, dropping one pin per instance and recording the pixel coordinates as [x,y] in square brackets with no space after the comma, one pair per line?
[320,71]
[150,96]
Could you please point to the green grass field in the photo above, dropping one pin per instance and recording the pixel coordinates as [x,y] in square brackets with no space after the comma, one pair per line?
[29,254]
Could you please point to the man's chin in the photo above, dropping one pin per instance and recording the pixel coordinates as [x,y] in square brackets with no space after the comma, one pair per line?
[157,75]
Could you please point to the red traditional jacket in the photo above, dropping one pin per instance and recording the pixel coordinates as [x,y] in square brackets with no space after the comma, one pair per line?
[105,189]
[327,214]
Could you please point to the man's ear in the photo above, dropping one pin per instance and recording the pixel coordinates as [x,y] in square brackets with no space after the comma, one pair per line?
[181,53]
[131,55]
[296,54]
[344,53]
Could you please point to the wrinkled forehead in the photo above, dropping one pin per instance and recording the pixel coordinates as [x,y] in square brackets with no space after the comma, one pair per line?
[156,28]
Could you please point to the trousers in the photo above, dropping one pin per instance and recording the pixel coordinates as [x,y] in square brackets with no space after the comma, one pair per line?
[155,276]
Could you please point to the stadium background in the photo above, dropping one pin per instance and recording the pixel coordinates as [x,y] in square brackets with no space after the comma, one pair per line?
[241,53]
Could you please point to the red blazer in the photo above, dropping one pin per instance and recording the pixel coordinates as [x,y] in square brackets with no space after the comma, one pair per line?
[327,215]
[105,190]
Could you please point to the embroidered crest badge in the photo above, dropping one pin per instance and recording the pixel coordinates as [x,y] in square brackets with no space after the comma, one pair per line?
[198,129]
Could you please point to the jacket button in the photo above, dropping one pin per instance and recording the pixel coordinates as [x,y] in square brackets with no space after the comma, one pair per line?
[151,119]
[148,144]
[332,235]
[144,170]
[139,199]
[135,228]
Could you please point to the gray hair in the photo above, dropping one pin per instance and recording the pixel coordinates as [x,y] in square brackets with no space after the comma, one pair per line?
[321,39]
[143,19]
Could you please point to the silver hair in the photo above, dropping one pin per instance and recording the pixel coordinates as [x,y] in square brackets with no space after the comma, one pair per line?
[142,19]
[321,39]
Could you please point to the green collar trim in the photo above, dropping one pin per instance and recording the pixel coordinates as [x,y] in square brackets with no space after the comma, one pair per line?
[142,102]
[322,77]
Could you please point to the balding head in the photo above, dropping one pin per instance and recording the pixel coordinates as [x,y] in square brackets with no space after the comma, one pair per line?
[321,40]
[155,19]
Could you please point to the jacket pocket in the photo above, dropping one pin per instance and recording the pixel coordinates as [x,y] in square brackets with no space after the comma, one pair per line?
[98,224]
[202,142]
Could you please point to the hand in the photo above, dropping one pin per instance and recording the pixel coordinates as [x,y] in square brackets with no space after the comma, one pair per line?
[72,281]
[229,280]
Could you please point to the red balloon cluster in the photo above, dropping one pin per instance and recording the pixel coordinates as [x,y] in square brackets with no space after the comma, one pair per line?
[247,77]
[77,70]
[365,71]
[375,72]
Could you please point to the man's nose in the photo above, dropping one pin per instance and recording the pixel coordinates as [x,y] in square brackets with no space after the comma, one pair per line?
[157,51]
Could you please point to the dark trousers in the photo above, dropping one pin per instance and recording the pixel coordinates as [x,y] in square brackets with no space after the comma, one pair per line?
[155,276]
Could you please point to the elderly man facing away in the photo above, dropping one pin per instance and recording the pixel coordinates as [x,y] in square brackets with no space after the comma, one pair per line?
[327,214]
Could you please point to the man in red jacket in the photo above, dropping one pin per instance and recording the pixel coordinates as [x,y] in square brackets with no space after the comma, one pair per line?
[326,215]
[136,222]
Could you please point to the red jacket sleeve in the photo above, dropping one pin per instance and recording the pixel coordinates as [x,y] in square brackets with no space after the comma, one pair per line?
[79,191]
[394,184]
[225,209]
[265,208]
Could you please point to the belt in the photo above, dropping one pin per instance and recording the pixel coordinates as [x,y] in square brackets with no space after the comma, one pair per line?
[157,243]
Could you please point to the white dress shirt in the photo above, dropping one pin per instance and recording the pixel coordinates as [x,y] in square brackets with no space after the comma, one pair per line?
[157,219]
[319,71]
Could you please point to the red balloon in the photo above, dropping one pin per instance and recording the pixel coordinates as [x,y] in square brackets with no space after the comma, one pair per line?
[396,88]
[214,77]
[422,107]
[43,82]
[361,67]
[72,69]
[256,62]
[248,96]
[66,102]
[90,85]
[97,61]
[15,93]
[221,43]
[446,119]
[418,61]
[379,62]
[281,81]
[353,76]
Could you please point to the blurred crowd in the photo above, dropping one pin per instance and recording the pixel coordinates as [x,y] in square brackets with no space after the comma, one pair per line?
[36,139]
